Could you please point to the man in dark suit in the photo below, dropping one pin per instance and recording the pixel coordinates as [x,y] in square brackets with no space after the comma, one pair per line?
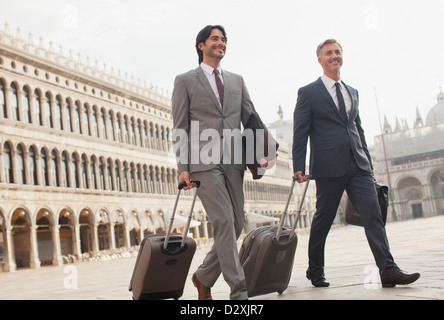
[327,111]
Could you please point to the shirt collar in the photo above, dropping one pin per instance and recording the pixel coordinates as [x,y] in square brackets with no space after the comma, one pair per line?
[329,82]
[209,70]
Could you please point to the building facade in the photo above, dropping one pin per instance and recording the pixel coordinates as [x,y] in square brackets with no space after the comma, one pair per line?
[411,162]
[85,160]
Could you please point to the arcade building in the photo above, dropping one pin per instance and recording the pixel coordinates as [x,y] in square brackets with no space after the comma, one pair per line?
[411,161]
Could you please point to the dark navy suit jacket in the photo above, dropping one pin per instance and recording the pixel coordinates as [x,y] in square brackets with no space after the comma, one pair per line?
[332,140]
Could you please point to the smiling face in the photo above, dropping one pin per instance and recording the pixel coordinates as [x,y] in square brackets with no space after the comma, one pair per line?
[331,60]
[214,47]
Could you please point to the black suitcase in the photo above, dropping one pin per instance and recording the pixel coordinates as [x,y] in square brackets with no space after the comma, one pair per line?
[267,254]
[163,262]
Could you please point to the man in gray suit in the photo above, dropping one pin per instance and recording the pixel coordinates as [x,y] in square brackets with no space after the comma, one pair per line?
[327,111]
[208,105]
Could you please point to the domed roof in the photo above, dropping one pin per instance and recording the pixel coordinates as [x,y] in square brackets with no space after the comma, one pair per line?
[436,114]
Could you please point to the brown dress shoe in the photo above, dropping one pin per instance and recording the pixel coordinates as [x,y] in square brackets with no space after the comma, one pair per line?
[204,293]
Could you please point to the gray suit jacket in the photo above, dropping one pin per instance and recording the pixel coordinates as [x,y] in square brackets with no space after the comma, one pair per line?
[194,102]
[331,139]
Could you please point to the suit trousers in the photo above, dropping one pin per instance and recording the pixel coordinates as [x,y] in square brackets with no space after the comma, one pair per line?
[221,193]
[360,189]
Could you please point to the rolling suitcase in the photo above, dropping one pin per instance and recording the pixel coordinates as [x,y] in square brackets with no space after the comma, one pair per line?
[163,261]
[267,254]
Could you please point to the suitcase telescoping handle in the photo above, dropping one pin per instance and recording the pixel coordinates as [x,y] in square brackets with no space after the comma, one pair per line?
[284,215]
[180,187]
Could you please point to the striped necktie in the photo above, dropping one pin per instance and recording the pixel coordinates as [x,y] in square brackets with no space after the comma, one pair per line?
[220,87]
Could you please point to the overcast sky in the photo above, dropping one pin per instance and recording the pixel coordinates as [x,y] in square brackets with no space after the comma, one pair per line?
[394,46]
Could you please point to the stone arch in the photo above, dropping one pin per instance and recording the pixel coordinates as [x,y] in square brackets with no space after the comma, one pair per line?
[135,228]
[45,237]
[14,103]
[119,228]
[149,225]
[411,194]
[67,235]
[437,185]
[159,221]
[103,221]
[410,186]
[4,246]
[86,230]
[21,238]
[3,99]
[8,161]
[26,103]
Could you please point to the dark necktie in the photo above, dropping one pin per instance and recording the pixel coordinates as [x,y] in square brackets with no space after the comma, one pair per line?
[220,87]
[341,102]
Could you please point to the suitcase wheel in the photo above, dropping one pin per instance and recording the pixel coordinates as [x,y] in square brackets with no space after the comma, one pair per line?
[280,292]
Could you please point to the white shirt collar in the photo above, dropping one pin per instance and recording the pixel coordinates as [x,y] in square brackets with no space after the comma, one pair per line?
[329,82]
[209,70]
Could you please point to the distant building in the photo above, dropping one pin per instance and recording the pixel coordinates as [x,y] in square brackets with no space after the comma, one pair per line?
[415,162]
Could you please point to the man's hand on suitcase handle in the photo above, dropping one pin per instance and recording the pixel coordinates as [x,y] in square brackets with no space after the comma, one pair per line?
[182,185]
[185,177]
[185,183]
[300,177]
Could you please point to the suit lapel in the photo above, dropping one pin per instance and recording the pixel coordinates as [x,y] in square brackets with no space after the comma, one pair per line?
[327,96]
[353,100]
[203,79]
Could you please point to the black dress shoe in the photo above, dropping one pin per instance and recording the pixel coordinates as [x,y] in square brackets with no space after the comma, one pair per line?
[399,277]
[318,282]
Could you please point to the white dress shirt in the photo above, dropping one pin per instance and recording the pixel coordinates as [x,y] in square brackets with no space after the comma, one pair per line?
[330,84]
[209,72]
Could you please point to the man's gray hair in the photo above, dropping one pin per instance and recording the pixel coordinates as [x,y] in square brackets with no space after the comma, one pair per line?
[319,49]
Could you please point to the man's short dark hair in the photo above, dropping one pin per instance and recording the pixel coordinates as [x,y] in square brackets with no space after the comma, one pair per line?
[203,35]
[319,49]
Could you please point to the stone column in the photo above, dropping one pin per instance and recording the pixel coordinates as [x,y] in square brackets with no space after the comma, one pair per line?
[95,242]
[56,249]
[112,235]
[34,251]
[10,264]
[77,251]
